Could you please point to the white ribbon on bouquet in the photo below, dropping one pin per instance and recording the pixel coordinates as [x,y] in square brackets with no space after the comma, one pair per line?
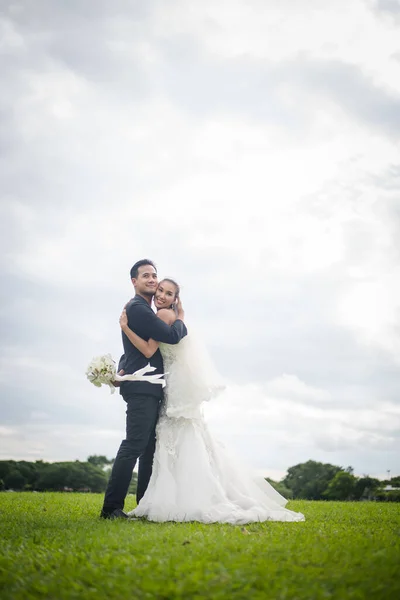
[139,375]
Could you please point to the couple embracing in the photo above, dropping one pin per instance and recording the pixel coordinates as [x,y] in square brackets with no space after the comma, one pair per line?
[184,474]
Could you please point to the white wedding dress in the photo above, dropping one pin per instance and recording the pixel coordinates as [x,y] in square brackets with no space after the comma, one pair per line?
[193,478]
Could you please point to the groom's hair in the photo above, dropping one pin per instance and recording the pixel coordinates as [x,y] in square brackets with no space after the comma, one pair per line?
[141,263]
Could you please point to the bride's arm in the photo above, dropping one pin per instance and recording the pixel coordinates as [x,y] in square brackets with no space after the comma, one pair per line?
[147,348]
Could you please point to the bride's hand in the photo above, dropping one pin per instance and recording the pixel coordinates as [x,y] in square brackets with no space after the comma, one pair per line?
[179,309]
[123,320]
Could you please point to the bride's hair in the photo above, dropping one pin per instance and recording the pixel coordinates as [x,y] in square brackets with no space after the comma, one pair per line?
[178,289]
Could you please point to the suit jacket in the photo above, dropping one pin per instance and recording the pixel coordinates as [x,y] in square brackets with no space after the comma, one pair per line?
[144,322]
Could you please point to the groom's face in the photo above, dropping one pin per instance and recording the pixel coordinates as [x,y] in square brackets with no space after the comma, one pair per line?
[146,282]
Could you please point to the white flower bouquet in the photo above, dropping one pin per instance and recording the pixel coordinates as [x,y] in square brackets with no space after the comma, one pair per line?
[102,371]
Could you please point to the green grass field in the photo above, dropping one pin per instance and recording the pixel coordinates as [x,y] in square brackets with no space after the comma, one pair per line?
[55,546]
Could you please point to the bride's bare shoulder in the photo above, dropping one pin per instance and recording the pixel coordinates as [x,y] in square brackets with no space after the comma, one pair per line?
[167,315]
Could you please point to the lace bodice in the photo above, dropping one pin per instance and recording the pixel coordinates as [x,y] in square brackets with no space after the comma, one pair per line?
[170,353]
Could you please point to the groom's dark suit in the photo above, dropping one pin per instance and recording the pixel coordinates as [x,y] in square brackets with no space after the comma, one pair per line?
[143,400]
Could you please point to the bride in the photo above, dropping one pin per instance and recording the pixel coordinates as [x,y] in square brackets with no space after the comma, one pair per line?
[193,477]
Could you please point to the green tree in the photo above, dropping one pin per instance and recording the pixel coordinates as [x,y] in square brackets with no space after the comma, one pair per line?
[6,466]
[341,487]
[100,460]
[391,496]
[280,488]
[393,481]
[365,487]
[74,475]
[95,478]
[53,477]
[27,470]
[14,480]
[309,480]
[30,472]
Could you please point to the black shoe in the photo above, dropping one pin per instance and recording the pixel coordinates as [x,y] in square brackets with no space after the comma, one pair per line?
[115,514]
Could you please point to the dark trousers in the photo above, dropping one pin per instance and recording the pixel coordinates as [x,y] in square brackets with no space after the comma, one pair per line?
[141,419]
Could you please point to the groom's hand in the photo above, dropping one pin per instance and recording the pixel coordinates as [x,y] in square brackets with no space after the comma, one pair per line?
[118,383]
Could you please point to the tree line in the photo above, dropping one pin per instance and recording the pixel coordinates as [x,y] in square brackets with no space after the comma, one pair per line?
[314,480]
[77,476]
[309,481]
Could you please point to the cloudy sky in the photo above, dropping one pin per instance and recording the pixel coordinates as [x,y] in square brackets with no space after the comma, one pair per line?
[250,148]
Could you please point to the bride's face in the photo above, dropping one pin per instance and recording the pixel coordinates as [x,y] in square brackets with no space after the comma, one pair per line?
[165,295]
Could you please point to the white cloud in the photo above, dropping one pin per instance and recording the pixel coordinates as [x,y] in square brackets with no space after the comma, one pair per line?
[277,31]
[372,309]
[287,417]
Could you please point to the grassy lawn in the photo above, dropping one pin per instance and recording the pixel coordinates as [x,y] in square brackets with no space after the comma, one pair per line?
[55,546]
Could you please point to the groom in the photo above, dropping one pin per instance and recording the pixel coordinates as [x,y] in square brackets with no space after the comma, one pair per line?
[142,398]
